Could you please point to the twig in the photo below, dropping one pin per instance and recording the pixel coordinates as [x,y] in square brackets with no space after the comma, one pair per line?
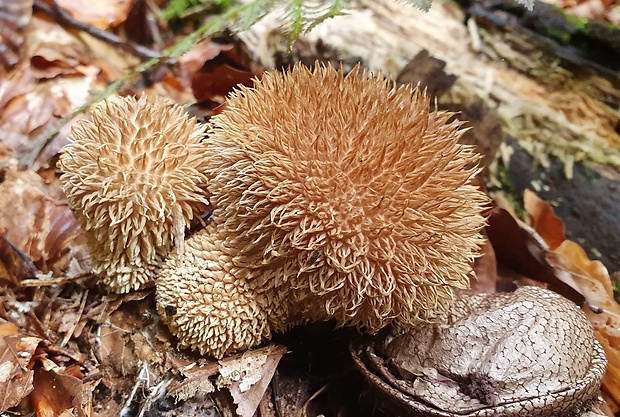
[155,393]
[42,280]
[71,354]
[143,379]
[59,15]
[303,412]
[76,321]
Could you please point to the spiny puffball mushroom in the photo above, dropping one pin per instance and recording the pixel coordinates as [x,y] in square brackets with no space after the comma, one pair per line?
[337,197]
[134,177]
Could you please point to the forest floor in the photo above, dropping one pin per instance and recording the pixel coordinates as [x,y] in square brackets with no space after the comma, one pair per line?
[540,92]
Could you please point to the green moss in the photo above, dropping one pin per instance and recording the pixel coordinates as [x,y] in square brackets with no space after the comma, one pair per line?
[508,189]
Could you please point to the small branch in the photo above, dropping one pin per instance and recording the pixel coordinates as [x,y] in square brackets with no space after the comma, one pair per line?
[59,15]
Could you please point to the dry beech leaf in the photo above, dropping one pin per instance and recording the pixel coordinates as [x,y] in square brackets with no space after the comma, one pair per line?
[190,62]
[56,394]
[218,77]
[14,17]
[13,266]
[27,117]
[100,13]
[54,51]
[196,381]
[591,279]
[485,268]
[544,220]
[55,77]
[16,378]
[248,375]
[518,247]
[38,222]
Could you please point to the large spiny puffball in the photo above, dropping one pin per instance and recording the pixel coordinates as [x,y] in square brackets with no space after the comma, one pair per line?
[337,197]
[134,178]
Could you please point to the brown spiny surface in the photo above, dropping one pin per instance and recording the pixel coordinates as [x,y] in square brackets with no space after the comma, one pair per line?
[134,178]
[339,197]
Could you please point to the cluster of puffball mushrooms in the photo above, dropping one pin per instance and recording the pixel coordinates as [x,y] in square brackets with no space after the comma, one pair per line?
[336,197]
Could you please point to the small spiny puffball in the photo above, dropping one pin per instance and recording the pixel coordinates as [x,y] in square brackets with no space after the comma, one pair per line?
[134,178]
[205,300]
[337,197]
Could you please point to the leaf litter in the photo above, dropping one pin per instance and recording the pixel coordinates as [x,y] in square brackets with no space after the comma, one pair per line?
[69,349]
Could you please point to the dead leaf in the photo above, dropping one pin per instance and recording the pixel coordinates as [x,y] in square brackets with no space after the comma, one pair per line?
[114,350]
[54,51]
[519,248]
[196,381]
[248,375]
[100,13]
[55,393]
[16,378]
[38,222]
[485,269]
[190,62]
[13,266]
[543,219]
[14,18]
[27,118]
[218,77]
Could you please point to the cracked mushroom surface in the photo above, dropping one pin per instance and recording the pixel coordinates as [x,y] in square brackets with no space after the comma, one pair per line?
[134,178]
[531,352]
[337,197]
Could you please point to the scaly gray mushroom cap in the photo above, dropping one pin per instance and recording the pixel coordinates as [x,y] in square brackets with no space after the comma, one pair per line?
[527,353]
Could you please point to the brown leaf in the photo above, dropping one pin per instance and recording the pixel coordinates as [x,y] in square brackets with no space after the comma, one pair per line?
[100,13]
[196,381]
[218,77]
[521,250]
[39,223]
[16,379]
[544,220]
[17,83]
[247,376]
[485,269]
[55,393]
[190,62]
[54,51]
[14,18]
[13,265]
[26,117]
